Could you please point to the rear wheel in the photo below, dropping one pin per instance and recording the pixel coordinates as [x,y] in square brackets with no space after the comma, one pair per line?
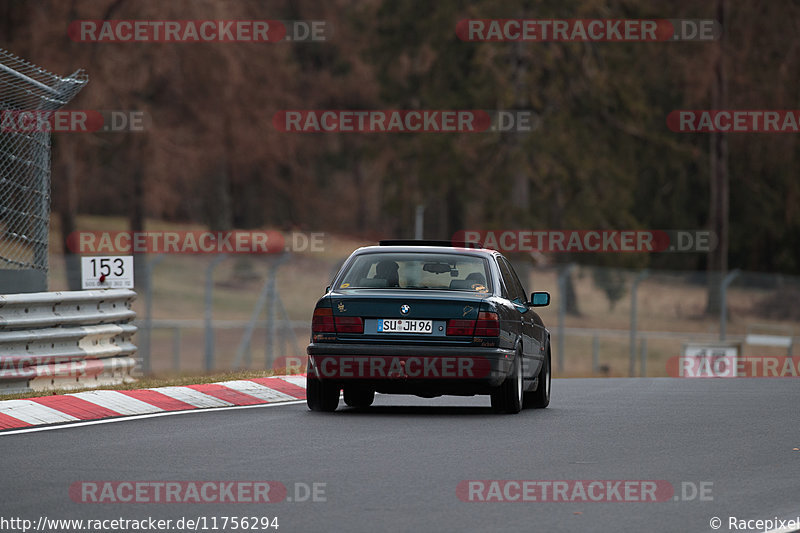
[358,396]
[540,398]
[321,395]
[508,396]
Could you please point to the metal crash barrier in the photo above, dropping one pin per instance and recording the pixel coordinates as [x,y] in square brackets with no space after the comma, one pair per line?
[66,339]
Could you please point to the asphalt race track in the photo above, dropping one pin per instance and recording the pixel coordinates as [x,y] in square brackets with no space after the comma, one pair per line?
[397,465]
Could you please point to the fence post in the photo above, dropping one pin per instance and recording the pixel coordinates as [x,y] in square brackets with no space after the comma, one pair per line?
[643,365]
[639,278]
[176,349]
[595,353]
[272,325]
[562,312]
[287,330]
[723,302]
[209,309]
[243,351]
[148,305]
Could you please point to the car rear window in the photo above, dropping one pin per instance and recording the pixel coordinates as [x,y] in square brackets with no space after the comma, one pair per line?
[417,271]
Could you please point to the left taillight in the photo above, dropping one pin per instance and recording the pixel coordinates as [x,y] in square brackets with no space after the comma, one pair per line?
[349,324]
[459,327]
[322,322]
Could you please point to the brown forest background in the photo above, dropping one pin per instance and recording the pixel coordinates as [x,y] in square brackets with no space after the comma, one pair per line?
[601,158]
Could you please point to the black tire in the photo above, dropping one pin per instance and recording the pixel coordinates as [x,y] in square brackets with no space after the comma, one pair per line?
[358,397]
[540,398]
[507,398]
[321,395]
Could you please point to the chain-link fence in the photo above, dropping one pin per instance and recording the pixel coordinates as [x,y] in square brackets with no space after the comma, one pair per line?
[251,312]
[32,93]
[622,322]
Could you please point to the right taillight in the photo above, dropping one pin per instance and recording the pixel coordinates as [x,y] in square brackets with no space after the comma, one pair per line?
[349,324]
[322,322]
[487,325]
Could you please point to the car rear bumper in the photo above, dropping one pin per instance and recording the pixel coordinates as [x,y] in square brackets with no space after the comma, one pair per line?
[411,369]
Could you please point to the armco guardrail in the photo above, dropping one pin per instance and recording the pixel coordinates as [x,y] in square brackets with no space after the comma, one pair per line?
[66,339]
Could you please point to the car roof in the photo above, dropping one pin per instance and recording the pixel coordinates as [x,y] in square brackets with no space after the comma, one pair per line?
[427,248]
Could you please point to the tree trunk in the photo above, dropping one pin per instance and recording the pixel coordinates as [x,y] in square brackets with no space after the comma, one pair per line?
[521,185]
[361,195]
[719,201]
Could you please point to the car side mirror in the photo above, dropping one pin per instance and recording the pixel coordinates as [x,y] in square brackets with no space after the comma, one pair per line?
[540,299]
[327,289]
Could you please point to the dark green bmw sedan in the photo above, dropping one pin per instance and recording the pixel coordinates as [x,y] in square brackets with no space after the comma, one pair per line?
[428,318]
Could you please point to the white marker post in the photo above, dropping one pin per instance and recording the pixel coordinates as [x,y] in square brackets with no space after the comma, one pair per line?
[109,272]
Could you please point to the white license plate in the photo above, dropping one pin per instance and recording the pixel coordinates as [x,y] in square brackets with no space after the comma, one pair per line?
[404,325]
